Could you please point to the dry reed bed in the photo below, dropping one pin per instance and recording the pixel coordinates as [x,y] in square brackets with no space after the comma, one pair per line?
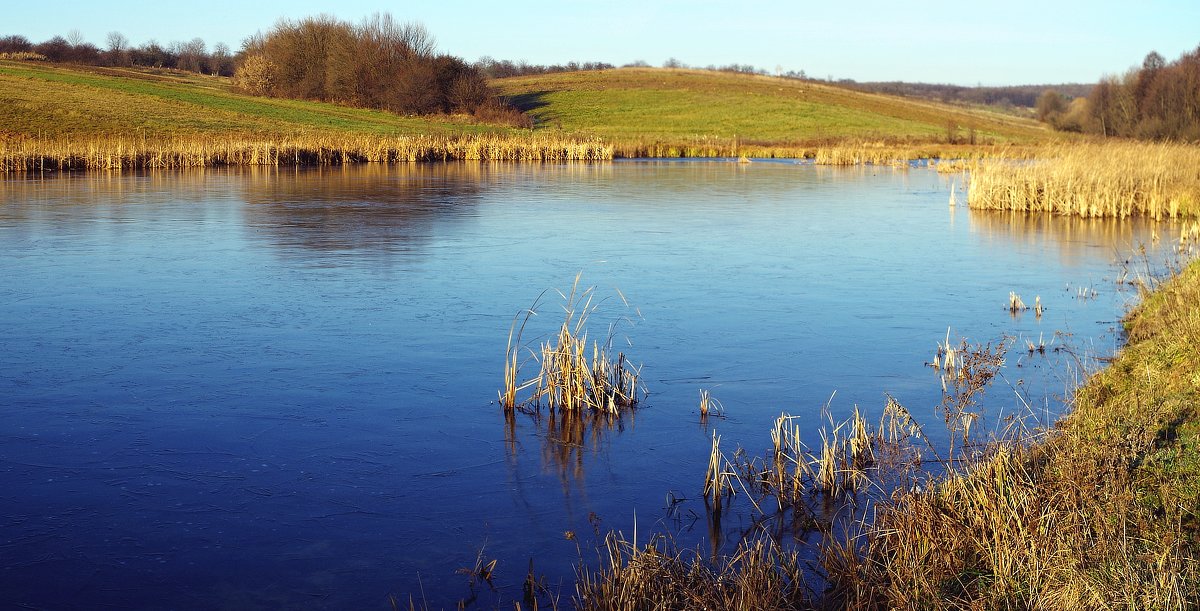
[1093,180]
[118,153]
[837,152]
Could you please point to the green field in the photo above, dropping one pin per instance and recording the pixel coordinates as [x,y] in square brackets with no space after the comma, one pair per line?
[46,100]
[695,105]
[684,106]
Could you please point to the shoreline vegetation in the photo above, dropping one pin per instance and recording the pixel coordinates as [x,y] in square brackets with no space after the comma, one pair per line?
[323,149]
[1102,510]
[1110,179]
[120,153]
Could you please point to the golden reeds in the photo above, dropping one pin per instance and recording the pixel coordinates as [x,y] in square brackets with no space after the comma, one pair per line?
[1015,305]
[758,574]
[120,153]
[709,404]
[718,478]
[573,375]
[1094,180]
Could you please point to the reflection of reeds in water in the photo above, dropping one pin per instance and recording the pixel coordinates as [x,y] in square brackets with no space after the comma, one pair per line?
[117,153]
[584,388]
[1094,180]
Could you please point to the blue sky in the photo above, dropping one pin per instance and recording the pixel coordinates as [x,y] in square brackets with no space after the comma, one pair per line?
[1014,42]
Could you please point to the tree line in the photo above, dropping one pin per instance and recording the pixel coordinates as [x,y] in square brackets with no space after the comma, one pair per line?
[1157,101]
[192,55]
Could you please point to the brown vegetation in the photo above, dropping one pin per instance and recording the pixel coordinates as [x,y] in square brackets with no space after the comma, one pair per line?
[573,376]
[1093,180]
[378,63]
[1159,101]
[115,153]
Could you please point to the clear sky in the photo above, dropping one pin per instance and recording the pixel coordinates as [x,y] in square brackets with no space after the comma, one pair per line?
[962,42]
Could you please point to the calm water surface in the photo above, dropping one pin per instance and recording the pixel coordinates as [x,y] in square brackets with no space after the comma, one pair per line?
[275,388]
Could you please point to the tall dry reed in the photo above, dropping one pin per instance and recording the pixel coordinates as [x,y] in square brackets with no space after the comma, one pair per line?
[121,153]
[574,375]
[1112,179]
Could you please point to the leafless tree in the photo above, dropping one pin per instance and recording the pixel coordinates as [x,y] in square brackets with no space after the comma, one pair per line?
[118,49]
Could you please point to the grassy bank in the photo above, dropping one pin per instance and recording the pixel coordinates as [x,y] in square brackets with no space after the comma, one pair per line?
[68,117]
[1113,179]
[1101,512]
[1105,513]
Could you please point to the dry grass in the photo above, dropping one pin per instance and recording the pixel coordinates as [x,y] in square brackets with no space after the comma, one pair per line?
[573,375]
[117,153]
[1015,304]
[1103,514]
[718,478]
[1094,180]
[759,574]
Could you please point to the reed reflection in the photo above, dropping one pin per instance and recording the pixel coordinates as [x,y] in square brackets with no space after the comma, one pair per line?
[1074,236]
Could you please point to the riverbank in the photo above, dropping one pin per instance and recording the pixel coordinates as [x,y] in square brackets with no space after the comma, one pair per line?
[1104,513]
[1101,511]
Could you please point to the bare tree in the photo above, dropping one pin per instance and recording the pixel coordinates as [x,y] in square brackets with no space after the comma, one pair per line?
[222,60]
[193,55]
[75,37]
[118,49]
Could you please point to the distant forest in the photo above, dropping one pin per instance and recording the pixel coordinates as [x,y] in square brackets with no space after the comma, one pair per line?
[1019,96]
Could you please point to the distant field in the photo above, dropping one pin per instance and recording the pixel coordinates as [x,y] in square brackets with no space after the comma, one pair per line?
[49,101]
[692,105]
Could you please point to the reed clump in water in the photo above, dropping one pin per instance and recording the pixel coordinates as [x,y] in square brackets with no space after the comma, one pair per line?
[1015,304]
[1094,180]
[122,153]
[574,376]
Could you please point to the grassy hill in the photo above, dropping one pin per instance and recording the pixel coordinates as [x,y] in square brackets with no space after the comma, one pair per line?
[694,105]
[47,100]
[57,116]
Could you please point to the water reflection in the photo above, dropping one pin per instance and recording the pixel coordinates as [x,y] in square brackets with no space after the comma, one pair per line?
[329,431]
[370,211]
[1071,236]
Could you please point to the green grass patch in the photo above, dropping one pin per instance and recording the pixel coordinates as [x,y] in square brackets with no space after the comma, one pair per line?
[42,100]
[691,105]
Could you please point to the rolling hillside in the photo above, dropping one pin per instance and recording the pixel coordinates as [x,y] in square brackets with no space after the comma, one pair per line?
[90,117]
[48,100]
[693,105]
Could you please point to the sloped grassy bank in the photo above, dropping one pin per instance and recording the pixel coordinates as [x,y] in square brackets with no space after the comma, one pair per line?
[1102,512]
